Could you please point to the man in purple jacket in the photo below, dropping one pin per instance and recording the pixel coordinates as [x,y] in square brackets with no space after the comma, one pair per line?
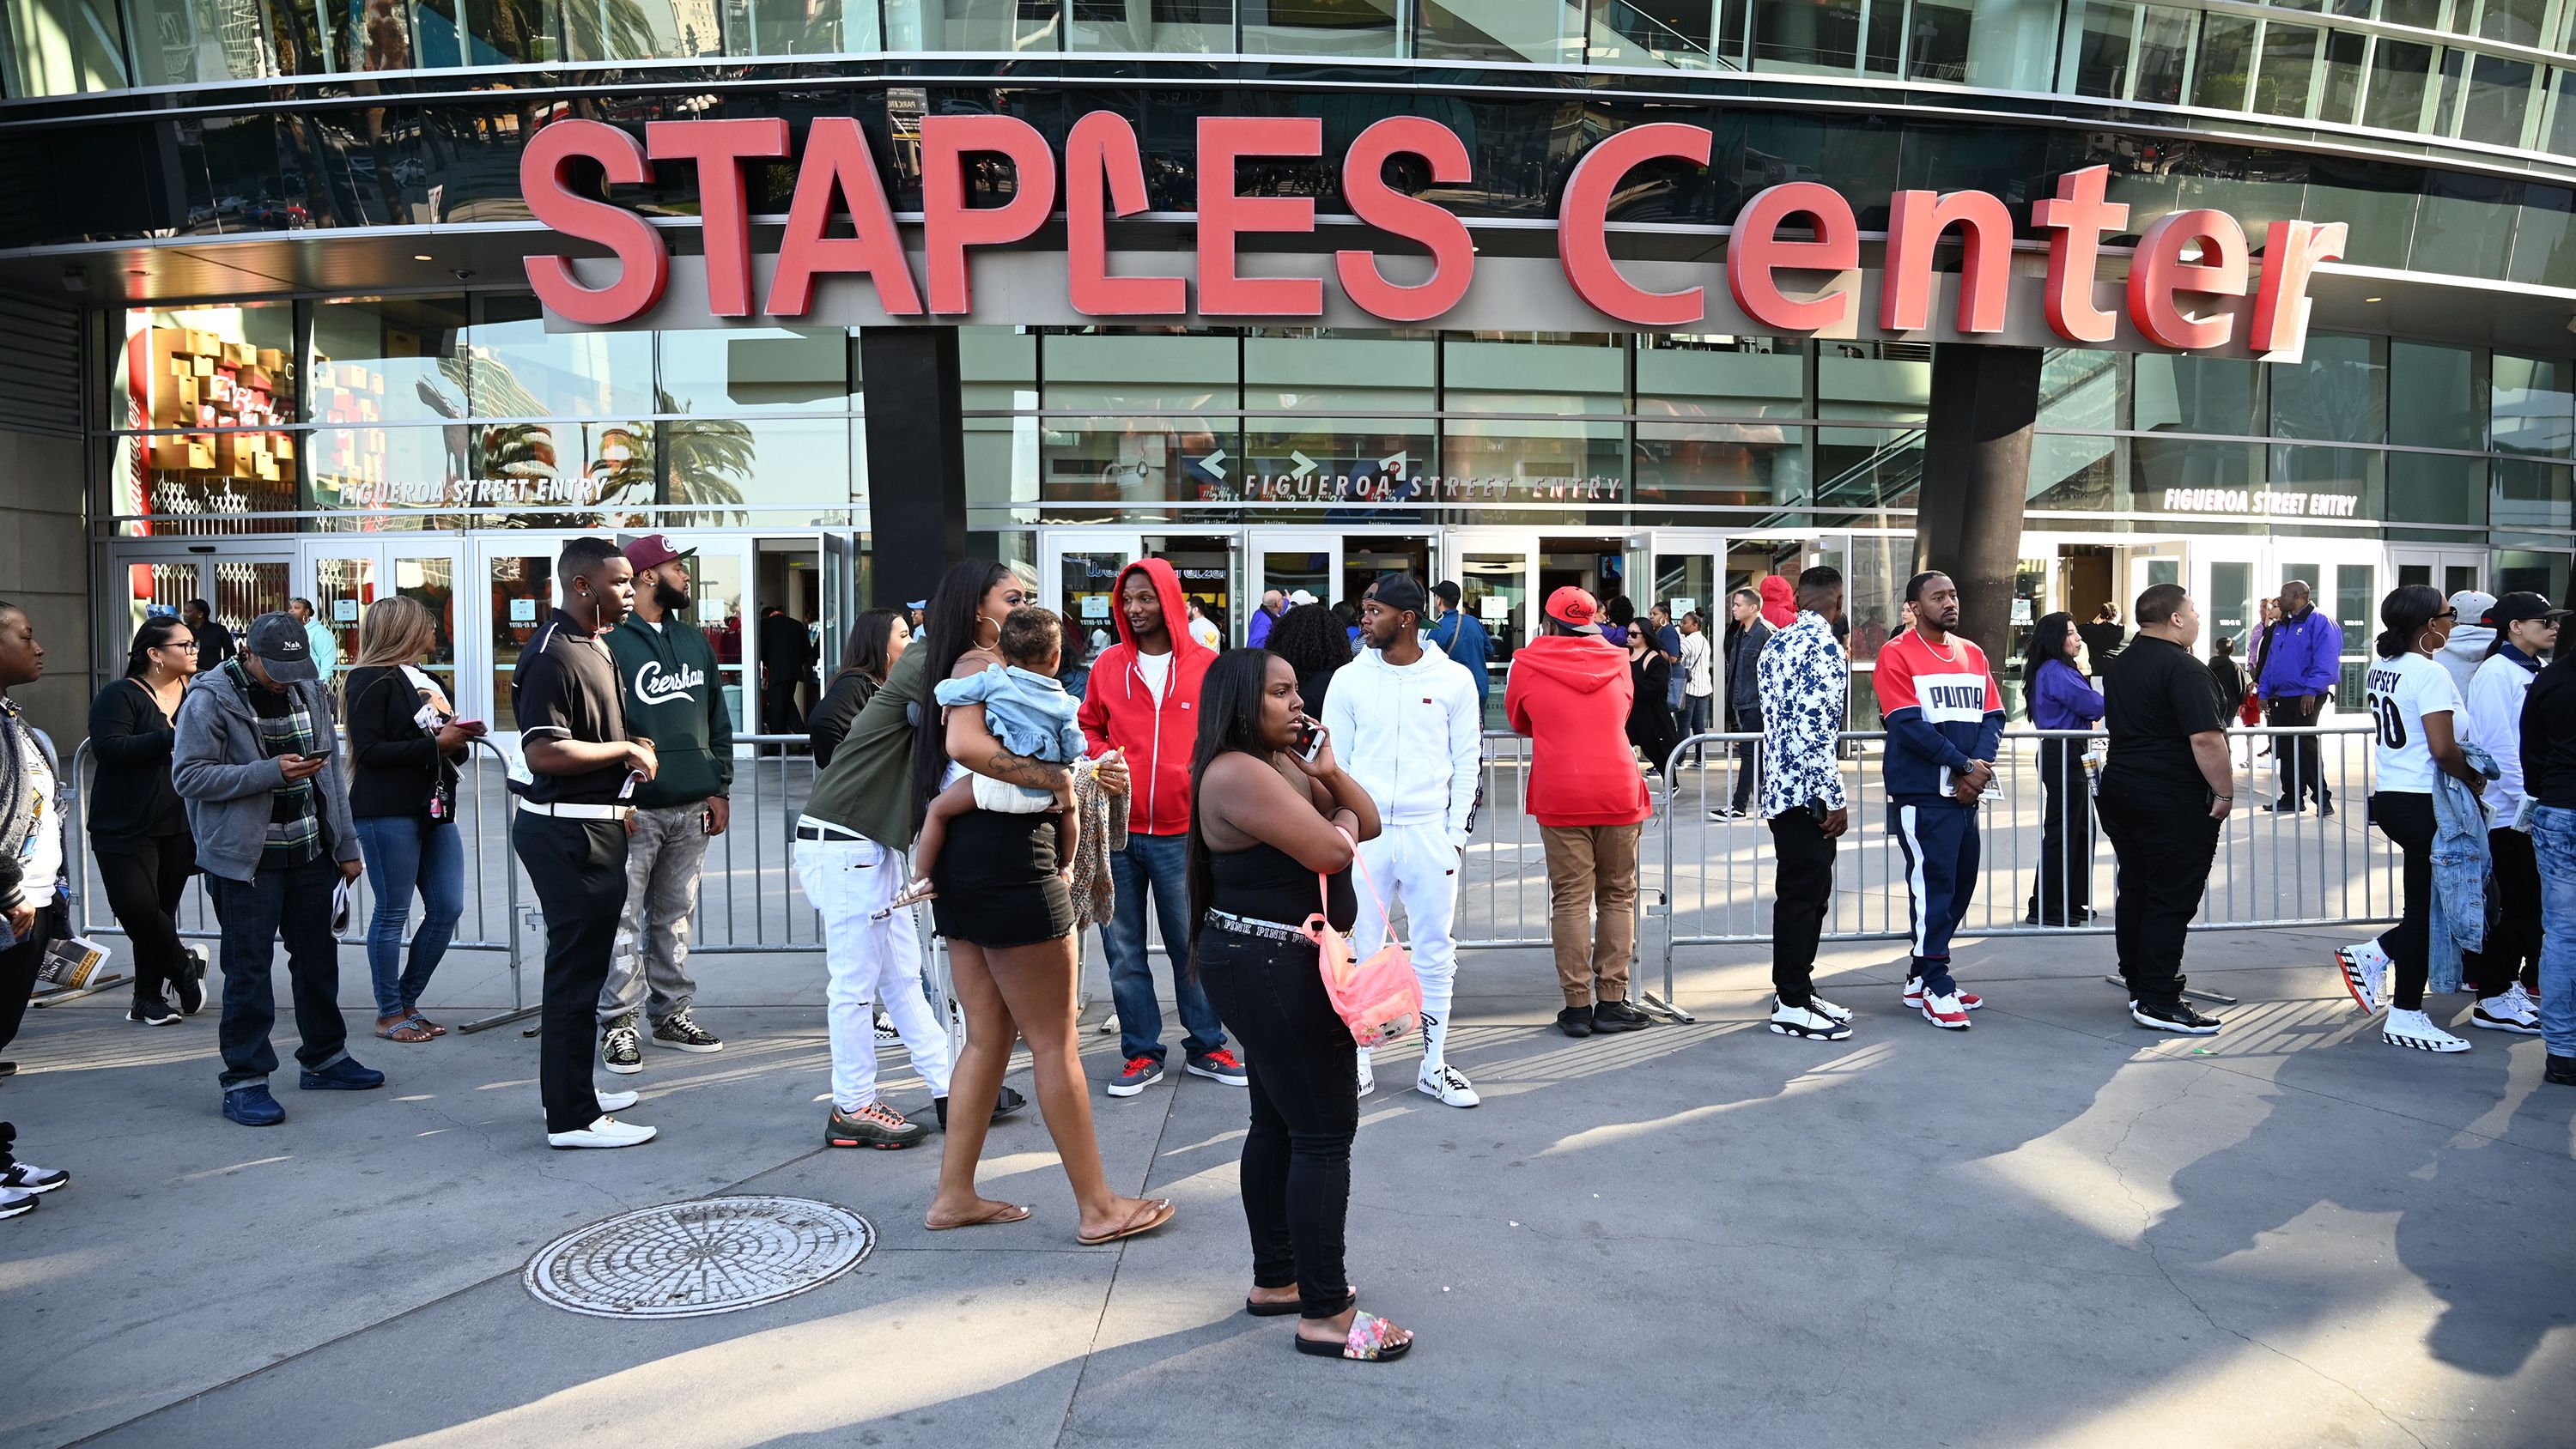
[2300,667]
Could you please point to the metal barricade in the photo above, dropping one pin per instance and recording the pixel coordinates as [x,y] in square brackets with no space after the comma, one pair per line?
[1502,885]
[2313,866]
[488,923]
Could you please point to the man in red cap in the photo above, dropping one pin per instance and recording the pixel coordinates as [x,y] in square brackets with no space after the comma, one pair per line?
[1570,692]
[675,698]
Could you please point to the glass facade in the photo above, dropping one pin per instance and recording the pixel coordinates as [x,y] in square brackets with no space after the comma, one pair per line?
[2477,71]
[442,411]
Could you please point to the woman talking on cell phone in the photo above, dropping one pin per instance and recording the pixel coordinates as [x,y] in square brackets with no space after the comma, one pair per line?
[138,829]
[1271,812]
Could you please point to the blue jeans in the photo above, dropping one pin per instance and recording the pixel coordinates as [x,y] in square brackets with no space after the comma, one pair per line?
[294,903]
[2553,840]
[1162,862]
[405,853]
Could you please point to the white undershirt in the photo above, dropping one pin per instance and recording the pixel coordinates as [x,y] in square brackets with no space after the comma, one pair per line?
[1157,669]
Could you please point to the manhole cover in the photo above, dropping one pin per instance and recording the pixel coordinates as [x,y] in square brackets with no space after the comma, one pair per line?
[688,1259]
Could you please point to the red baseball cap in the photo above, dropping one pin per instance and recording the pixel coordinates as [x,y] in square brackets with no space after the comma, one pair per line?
[1573,608]
[652,551]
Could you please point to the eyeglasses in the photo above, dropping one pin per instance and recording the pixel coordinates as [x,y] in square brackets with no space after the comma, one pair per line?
[2446,614]
[179,644]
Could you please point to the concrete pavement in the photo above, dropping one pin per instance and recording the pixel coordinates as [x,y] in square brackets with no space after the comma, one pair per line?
[2053,1229]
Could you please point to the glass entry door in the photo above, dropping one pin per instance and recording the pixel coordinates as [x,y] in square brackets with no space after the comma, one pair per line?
[345,575]
[1497,577]
[1078,574]
[238,586]
[1333,566]
[2447,569]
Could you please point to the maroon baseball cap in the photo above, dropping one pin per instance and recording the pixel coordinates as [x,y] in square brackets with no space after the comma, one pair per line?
[1573,608]
[652,551]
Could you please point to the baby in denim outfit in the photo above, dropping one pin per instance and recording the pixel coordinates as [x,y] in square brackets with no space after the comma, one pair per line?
[1030,713]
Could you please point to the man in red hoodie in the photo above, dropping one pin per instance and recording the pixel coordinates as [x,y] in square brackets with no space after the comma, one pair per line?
[1569,692]
[1143,699]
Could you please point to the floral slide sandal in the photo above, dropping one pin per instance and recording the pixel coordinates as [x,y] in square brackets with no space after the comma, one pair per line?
[1367,1342]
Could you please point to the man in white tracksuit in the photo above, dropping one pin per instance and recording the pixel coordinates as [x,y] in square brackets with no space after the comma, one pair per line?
[1404,721]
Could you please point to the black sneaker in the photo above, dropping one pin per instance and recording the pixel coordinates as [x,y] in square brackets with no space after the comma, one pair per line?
[1619,1016]
[874,1125]
[154,1011]
[1136,1076]
[1003,1106]
[1575,1021]
[2178,1017]
[2561,1071]
[192,991]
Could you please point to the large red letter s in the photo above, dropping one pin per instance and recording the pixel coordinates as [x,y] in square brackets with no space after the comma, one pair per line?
[645,264]
[949,225]
[1582,224]
[1453,256]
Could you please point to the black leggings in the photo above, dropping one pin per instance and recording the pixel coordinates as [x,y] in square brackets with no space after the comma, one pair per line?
[2406,818]
[2513,940]
[1296,1171]
[144,876]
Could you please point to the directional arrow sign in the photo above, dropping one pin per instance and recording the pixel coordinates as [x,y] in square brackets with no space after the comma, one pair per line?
[1305,465]
[1397,463]
[1214,463]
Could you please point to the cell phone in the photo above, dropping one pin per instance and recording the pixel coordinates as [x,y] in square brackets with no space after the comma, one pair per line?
[1310,736]
[467,724]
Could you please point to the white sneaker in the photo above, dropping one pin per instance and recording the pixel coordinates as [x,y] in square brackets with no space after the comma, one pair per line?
[1809,1021]
[13,1202]
[1448,1087]
[1368,1074]
[2507,1012]
[618,1101]
[1945,1012]
[2415,1029]
[606,1132]
[25,1176]
[2364,968]
[1828,1010]
[885,1028]
[2523,1000]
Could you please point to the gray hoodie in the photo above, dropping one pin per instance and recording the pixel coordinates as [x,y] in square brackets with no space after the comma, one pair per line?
[226,779]
[2466,651]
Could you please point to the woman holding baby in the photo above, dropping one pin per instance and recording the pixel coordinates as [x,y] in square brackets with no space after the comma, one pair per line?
[998,893]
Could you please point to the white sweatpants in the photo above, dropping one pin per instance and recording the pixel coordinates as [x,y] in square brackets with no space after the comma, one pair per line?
[1416,864]
[871,962]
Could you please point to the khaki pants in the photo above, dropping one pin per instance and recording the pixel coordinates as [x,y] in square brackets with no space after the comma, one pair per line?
[1591,866]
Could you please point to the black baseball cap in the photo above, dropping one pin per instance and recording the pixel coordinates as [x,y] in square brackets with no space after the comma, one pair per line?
[284,650]
[2519,605]
[1399,591]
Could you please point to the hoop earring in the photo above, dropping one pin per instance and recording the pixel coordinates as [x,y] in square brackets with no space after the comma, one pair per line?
[980,622]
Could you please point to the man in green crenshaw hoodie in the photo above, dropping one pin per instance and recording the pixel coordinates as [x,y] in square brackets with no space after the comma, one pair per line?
[675,698]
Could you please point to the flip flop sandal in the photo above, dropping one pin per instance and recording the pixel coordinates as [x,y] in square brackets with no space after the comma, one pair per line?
[411,1029]
[1006,1213]
[1282,1310]
[1152,1220]
[434,1028]
[1366,1343]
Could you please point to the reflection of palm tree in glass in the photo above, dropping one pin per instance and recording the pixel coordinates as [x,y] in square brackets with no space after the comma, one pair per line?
[710,458]
[610,30]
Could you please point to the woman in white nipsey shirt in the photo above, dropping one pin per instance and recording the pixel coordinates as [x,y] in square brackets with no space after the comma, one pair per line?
[2416,713]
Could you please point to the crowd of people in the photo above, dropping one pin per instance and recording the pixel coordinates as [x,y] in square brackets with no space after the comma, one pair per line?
[1234,793]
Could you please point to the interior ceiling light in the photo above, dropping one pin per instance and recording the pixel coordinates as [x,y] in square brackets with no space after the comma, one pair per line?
[426,257]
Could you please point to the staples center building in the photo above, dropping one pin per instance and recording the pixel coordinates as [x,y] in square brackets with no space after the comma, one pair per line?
[1651,296]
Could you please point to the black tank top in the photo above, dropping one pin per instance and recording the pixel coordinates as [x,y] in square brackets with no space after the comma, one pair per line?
[1267,884]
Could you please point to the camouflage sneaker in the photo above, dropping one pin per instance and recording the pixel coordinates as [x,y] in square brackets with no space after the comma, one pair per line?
[619,1049]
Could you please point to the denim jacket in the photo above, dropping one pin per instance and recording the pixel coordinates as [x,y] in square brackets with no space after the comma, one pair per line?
[2461,872]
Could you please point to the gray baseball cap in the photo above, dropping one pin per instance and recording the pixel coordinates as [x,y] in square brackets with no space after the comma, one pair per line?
[284,650]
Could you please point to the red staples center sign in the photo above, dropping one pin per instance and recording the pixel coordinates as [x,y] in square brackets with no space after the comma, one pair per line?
[2190,275]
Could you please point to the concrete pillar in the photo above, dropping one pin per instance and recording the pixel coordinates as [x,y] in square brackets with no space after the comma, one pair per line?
[1976,477]
[916,459]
